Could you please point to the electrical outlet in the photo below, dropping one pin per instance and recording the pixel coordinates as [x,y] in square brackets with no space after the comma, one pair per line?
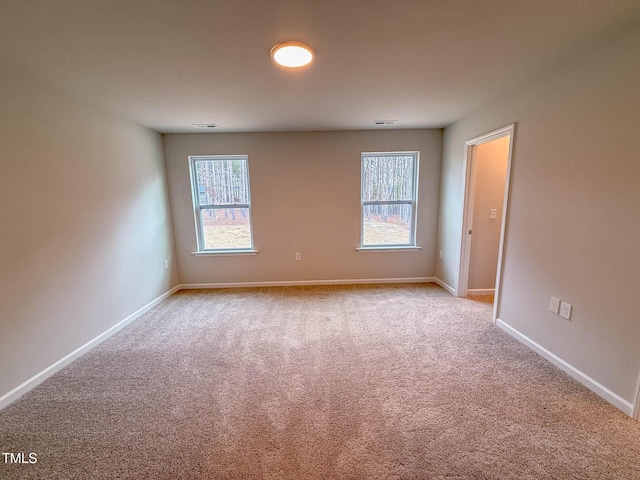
[554,305]
[298,256]
[166,264]
[441,254]
[493,213]
[565,310]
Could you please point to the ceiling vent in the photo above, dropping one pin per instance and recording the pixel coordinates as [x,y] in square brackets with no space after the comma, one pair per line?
[205,125]
[385,122]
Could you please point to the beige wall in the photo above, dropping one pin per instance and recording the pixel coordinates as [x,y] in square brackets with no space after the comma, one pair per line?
[85,224]
[305,189]
[490,169]
[573,221]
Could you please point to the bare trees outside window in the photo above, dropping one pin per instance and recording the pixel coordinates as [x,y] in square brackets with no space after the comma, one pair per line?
[222,202]
[389,192]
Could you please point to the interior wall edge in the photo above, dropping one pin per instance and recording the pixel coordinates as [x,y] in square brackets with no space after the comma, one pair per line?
[636,408]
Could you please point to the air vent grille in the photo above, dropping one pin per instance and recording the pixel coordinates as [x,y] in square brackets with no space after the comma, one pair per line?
[385,122]
[205,125]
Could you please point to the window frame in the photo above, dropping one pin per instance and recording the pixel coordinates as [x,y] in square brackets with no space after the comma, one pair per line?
[413,202]
[198,208]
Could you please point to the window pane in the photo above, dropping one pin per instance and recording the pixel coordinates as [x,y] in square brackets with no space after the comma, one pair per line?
[224,228]
[386,225]
[387,178]
[222,182]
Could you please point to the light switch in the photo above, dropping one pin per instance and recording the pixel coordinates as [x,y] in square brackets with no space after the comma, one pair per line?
[494,213]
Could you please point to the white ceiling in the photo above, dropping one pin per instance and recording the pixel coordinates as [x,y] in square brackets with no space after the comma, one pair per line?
[168,64]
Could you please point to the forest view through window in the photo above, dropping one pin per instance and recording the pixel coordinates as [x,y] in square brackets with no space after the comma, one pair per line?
[222,202]
[389,184]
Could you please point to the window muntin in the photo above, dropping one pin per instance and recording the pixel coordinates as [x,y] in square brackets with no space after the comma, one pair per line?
[221,202]
[389,193]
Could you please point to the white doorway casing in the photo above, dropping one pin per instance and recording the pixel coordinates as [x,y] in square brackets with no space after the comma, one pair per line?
[467,217]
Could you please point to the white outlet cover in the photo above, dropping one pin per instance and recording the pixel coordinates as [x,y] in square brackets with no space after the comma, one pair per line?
[565,310]
[554,305]
[493,213]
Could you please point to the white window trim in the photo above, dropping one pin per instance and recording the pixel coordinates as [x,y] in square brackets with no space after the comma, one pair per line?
[224,253]
[414,205]
[195,201]
[392,248]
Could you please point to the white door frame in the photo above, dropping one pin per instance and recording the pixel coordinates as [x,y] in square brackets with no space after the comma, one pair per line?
[467,213]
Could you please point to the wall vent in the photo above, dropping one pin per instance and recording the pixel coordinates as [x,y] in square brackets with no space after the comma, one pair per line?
[385,122]
[205,125]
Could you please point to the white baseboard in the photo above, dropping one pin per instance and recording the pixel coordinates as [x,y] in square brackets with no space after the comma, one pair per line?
[294,283]
[447,287]
[40,377]
[611,397]
[481,291]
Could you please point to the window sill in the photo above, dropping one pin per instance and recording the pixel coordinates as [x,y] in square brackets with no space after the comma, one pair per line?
[389,249]
[224,253]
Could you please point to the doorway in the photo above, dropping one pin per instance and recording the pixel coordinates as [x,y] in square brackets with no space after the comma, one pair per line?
[486,198]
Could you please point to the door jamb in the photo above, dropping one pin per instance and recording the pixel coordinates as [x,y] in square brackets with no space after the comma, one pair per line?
[467,213]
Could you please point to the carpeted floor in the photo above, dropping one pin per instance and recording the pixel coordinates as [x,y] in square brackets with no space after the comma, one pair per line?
[366,382]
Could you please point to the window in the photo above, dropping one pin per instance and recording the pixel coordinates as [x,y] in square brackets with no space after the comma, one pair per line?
[389,192]
[221,203]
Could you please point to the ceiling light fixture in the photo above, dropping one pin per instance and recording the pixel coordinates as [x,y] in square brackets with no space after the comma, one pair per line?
[292,54]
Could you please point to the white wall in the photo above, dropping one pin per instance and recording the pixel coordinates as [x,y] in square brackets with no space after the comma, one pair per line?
[85,224]
[491,161]
[305,189]
[574,224]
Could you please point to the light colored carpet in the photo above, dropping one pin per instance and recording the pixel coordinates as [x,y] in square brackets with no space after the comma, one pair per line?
[368,382]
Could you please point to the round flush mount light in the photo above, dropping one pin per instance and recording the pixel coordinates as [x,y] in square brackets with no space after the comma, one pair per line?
[292,54]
